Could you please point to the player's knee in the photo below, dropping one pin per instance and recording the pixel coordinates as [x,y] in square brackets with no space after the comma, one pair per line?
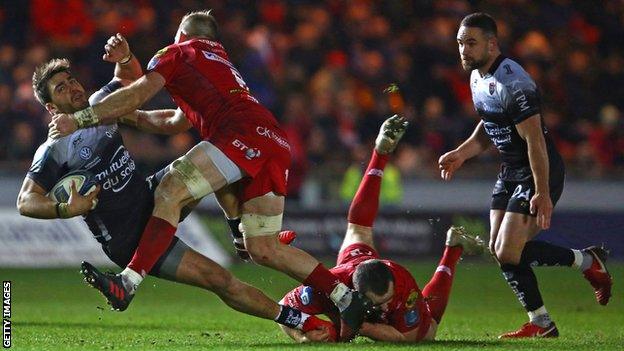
[260,237]
[507,256]
[261,252]
[492,247]
[169,190]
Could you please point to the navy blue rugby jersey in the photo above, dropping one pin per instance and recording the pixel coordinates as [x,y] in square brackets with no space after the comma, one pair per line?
[124,196]
[505,96]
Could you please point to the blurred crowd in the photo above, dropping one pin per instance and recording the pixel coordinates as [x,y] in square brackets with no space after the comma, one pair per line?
[322,67]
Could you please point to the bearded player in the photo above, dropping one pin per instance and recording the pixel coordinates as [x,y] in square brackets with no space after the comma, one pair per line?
[242,144]
[126,198]
[531,178]
[401,312]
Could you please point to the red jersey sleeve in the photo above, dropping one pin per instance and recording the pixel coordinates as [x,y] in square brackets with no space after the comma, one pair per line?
[408,316]
[165,62]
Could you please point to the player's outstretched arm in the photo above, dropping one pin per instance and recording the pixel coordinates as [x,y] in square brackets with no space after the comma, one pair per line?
[115,105]
[474,145]
[33,202]
[166,122]
[531,131]
[385,332]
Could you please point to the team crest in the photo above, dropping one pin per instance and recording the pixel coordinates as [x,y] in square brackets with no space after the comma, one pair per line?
[411,318]
[85,153]
[492,87]
[306,295]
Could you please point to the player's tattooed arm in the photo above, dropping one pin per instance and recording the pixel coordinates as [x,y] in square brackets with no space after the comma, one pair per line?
[385,332]
[127,67]
[531,131]
[167,122]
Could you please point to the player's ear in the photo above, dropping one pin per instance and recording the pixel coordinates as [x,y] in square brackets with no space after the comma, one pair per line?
[52,108]
[492,43]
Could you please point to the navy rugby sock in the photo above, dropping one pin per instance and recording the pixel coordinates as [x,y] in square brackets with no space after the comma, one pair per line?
[523,282]
[541,253]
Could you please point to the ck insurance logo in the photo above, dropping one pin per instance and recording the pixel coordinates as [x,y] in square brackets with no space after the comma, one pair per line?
[6,314]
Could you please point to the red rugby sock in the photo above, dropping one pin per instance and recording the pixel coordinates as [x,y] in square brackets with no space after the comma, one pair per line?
[156,238]
[321,279]
[438,289]
[365,204]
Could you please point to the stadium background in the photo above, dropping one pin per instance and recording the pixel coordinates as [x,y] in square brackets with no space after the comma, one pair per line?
[321,67]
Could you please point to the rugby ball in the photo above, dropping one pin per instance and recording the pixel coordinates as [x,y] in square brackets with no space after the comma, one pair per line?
[85,183]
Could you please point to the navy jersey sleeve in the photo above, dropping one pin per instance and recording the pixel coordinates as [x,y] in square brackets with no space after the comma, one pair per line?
[104,91]
[47,168]
[520,96]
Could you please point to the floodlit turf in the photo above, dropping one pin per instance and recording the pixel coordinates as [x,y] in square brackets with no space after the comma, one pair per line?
[54,310]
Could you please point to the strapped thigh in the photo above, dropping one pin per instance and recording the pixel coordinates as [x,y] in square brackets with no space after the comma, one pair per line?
[188,169]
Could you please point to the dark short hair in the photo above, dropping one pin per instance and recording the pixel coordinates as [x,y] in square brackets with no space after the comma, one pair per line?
[481,20]
[200,24]
[374,276]
[42,75]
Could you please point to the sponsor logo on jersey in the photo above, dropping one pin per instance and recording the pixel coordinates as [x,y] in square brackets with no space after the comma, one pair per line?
[250,152]
[214,57]
[375,172]
[77,141]
[119,172]
[268,133]
[500,135]
[85,153]
[306,295]
[411,318]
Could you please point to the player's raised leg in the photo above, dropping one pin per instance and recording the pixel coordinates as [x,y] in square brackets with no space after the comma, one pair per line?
[438,290]
[365,204]
[540,253]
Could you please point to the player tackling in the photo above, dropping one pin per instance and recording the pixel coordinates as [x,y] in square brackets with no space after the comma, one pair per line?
[242,144]
[531,178]
[125,196]
[401,312]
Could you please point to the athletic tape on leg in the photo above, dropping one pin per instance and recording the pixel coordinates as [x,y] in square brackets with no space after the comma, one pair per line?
[259,225]
[197,185]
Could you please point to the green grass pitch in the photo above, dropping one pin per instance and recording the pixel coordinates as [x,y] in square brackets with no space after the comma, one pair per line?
[54,310]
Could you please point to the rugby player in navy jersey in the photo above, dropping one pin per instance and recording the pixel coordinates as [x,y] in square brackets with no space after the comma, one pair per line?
[125,197]
[531,178]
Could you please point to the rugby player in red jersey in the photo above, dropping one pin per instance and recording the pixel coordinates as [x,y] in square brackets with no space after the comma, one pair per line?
[242,144]
[401,312]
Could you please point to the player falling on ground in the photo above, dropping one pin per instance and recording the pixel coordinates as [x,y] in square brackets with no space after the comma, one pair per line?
[243,144]
[126,198]
[531,178]
[402,312]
